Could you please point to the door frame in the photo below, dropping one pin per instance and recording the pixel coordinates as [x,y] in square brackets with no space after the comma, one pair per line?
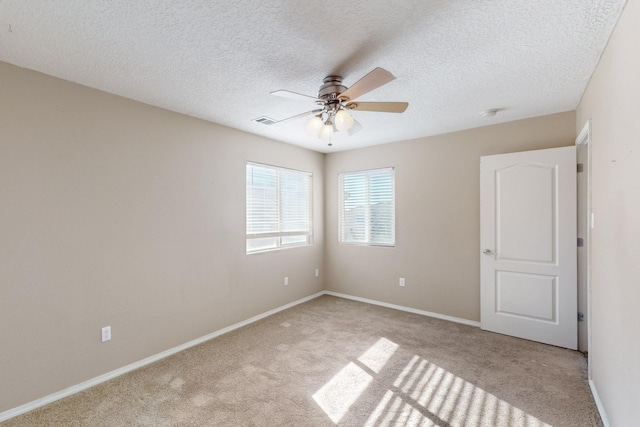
[583,142]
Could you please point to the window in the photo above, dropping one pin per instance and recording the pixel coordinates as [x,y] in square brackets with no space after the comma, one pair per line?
[367,207]
[278,208]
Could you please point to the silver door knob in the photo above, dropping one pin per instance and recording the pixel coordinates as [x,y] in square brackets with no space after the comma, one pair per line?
[487,252]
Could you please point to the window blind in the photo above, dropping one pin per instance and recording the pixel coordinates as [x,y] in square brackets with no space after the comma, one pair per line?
[278,207]
[367,207]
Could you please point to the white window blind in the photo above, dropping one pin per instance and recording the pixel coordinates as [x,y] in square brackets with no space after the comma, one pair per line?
[278,207]
[367,207]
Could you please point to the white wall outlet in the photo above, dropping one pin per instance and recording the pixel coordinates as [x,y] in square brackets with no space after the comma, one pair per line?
[106,333]
[317,272]
[286,281]
[401,281]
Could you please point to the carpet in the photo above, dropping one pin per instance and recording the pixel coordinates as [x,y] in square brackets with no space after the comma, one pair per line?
[332,361]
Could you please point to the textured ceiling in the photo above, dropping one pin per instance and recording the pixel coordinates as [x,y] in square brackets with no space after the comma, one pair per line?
[218,60]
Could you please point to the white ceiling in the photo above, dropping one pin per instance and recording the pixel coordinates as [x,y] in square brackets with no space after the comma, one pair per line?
[218,60]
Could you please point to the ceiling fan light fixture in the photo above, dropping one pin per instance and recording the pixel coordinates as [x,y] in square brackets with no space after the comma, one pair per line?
[314,125]
[327,131]
[343,120]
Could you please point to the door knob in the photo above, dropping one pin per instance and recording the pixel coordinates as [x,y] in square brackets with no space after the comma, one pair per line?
[487,252]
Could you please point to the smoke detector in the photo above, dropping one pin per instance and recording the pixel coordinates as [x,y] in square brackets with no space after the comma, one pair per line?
[490,112]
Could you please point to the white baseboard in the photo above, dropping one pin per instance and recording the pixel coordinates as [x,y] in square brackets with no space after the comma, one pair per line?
[596,398]
[407,309]
[116,373]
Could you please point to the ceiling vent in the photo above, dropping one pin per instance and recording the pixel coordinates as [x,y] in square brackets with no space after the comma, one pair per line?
[265,120]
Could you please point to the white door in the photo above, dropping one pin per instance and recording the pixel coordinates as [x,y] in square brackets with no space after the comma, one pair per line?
[528,244]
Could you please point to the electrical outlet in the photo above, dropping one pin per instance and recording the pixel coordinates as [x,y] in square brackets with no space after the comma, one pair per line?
[317,272]
[401,282]
[106,333]
[286,281]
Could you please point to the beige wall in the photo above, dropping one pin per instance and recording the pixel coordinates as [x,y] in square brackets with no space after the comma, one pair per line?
[612,102]
[117,213]
[437,215]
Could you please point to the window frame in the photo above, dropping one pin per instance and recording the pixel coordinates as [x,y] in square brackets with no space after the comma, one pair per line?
[341,213]
[280,234]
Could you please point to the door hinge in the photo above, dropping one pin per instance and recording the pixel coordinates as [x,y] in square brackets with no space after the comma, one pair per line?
[580,316]
[580,242]
[580,167]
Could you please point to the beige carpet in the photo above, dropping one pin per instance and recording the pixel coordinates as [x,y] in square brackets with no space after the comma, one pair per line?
[333,361]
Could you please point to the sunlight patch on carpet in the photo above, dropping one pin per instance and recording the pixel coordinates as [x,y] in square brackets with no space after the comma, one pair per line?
[421,394]
[425,394]
[336,396]
[378,354]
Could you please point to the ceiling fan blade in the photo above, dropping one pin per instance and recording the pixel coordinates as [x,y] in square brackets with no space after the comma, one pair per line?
[382,107]
[375,79]
[299,116]
[293,95]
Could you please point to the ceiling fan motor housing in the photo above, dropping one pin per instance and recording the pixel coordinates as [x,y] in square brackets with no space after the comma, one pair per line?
[331,88]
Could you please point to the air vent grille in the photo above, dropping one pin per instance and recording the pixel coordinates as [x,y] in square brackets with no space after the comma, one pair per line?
[265,120]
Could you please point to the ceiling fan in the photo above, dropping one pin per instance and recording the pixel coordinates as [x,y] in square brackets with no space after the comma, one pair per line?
[335,100]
